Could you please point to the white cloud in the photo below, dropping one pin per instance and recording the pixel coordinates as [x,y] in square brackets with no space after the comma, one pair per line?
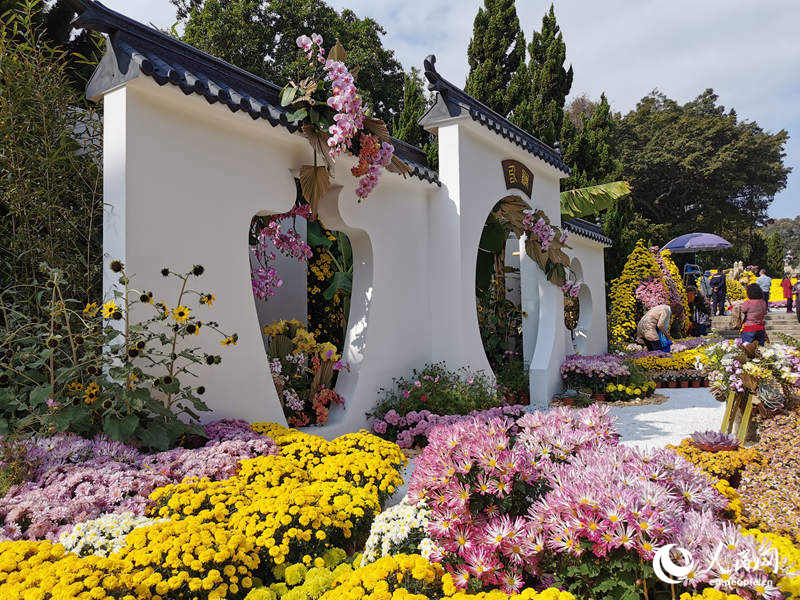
[747,50]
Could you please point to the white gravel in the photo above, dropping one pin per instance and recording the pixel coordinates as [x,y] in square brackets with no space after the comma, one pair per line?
[653,426]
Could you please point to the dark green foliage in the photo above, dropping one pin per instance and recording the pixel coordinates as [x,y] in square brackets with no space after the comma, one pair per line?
[694,167]
[590,149]
[616,576]
[542,86]
[51,184]
[259,36]
[405,125]
[495,52]
[775,253]
[789,232]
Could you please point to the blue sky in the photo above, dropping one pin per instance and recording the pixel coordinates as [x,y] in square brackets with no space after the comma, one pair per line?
[747,50]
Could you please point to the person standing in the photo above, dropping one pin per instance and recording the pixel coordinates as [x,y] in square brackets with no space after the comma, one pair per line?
[754,311]
[786,284]
[764,281]
[796,289]
[719,293]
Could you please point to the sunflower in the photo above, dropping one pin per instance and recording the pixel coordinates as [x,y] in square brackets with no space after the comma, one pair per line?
[109,308]
[90,309]
[181,314]
[207,299]
[91,393]
[229,341]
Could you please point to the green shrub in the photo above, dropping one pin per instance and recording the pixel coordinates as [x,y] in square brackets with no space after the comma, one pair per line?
[439,390]
[89,369]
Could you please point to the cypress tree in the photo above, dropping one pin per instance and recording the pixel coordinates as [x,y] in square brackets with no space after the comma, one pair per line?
[541,107]
[591,150]
[495,52]
[405,125]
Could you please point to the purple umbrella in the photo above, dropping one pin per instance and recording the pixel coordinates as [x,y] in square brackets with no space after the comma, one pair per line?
[696,242]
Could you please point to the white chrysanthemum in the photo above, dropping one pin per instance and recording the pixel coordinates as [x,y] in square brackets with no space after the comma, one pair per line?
[104,535]
[399,529]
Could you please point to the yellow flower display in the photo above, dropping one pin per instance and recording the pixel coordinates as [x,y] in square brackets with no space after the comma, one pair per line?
[727,464]
[710,594]
[788,551]
[680,360]
[391,577]
[313,495]
[216,536]
[640,266]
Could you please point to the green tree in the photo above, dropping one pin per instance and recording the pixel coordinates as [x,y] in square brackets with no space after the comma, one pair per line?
[259,36]
[54,22]
[494,54]
[789,231]
[542,86]
[405,125]
[590,149]
[694,167]
[51,184]
[775,253]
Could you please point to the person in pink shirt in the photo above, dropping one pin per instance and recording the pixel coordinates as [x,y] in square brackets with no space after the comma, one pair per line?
[754,310]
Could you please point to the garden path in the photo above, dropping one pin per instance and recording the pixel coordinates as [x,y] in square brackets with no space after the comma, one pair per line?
[653,426]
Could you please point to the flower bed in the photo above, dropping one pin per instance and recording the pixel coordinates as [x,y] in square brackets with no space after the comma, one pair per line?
[435,396]
[76,480]
[724,461]
[770,490]
[540,504]
[216,537]
[606,377]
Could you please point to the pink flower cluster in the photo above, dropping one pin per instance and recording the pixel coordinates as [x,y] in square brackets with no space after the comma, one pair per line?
[479,478]
[264,278]
[543,232]
[416,426]
[572,288]
[651,293]
[599,365]
[503,495]
[77,480]
[346,101]
[372,157]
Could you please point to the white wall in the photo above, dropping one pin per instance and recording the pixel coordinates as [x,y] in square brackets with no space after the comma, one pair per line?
[183,179]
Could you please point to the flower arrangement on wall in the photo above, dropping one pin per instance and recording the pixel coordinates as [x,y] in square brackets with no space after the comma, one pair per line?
[303,372]
[331,114]
[544,242]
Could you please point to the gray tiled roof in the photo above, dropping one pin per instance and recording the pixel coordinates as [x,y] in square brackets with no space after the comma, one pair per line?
[587,229]
[455,100]
[135,49]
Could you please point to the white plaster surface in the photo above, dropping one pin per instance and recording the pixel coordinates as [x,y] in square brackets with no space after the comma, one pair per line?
[653,426]
[183,179]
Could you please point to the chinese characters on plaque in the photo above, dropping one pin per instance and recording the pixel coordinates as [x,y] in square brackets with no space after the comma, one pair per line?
[518,176]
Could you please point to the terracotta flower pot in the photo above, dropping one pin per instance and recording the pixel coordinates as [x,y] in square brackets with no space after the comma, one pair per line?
[684,384]
[696,383]
[673,384]
[599,397]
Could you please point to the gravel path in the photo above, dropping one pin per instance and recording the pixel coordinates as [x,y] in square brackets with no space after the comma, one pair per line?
[687,410]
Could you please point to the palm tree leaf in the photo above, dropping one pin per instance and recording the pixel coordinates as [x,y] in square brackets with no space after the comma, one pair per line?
[314,183]
[587,201]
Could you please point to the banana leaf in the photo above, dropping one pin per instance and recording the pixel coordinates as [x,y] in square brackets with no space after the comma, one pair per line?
[341,281]
[583,202]
[316,237]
